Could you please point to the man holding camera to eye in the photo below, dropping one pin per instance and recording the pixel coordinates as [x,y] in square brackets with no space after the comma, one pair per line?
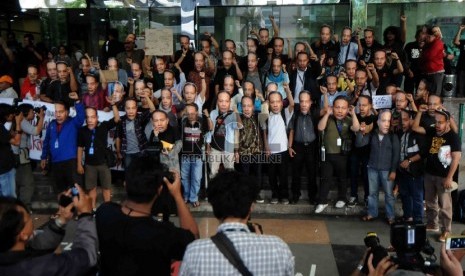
[231,195]
[24,251]
[24,177]
[132,242]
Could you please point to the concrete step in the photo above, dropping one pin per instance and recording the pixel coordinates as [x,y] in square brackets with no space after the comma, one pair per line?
[45,199]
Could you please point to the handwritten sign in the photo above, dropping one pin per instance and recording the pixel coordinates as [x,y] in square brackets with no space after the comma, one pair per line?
[159,42]
[380,102]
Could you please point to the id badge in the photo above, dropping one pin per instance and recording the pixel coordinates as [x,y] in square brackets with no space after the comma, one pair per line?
[56,144]
[91,151]
[339,142]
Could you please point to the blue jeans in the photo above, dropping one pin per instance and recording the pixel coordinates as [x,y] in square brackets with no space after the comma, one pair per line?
[191,174]
[8,183]
[411,191]
[378,178]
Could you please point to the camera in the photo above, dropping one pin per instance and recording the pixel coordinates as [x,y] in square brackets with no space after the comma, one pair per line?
[15,106]
[154,150]
[251,227]
[39,108]
[412,249]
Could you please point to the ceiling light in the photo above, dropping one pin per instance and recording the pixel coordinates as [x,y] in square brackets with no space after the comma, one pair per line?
[81,14]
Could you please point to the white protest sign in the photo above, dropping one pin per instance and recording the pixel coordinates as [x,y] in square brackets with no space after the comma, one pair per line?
[159,42]
[380,102]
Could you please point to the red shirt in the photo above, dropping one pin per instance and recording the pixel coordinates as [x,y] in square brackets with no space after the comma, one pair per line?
[28,87]
[432,57]
[96,100]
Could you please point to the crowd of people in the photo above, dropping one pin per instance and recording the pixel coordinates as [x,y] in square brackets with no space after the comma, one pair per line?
[309,108]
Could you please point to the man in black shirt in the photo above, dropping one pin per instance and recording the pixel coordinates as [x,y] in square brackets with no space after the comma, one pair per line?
[59,90]
[302,145]
[187,63]
[369,45]
[386,72]
[442,161]
[361,150]
[413,72]
[411,170]
[229,68]
[131,241]
[92,139]
[325,45]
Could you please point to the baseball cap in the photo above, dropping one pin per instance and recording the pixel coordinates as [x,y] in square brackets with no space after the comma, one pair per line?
[6,78]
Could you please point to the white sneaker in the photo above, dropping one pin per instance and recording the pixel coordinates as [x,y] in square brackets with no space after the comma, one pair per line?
[320,208]
[340,204]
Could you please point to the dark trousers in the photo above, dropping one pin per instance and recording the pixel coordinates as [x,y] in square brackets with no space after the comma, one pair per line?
[358,162]
[411,84]
[65,175]
[333,169]
[304,158]
[252,166]
[411,191]
[277,169]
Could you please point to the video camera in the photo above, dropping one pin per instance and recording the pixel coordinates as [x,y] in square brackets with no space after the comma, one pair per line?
[39,108]
[154,149]
[15,106]
[410,245]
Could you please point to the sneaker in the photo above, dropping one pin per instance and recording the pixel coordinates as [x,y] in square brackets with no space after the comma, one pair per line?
[285,201]
[259,199]
[352,202]
[274,201]
[340,204]
[431,228]
[320,208]
[444,236]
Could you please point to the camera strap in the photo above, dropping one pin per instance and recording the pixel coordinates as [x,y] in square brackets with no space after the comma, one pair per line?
[226,247]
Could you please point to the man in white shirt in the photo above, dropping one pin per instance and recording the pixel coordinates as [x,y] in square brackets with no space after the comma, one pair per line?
[276,146]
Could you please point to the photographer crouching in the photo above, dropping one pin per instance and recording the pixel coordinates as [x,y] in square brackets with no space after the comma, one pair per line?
[231,195]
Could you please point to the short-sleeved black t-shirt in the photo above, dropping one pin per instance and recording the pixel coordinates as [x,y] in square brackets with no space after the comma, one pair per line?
[100,134]
[385,78]
[137,245]
[440,146]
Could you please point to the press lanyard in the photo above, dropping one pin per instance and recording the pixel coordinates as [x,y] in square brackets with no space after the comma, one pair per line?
[91,149]
[59,128]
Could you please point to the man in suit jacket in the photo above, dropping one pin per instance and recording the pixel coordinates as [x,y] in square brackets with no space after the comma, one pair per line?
[304,78]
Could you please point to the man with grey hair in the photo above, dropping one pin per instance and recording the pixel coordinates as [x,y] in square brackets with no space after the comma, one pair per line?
[382,166]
